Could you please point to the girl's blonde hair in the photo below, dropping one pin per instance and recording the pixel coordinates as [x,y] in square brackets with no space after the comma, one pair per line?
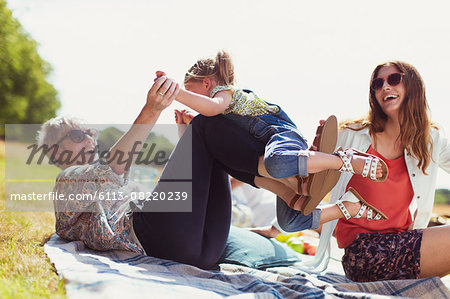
[414,117]
[219,68]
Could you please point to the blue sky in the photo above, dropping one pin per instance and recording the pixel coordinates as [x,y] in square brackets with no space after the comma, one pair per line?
[314,58]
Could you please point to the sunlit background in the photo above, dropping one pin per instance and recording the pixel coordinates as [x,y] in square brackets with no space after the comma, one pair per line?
[314,58]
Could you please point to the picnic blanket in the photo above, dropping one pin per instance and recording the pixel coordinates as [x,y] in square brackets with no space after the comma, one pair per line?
[121,274]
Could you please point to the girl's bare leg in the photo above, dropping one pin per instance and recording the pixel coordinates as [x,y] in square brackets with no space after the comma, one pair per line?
[434,253]
[276,187]
[317,162]
[269,231]
[328,212]
[283,192]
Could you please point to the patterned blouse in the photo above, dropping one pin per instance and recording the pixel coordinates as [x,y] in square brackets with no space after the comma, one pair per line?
[244,103]
[103,223]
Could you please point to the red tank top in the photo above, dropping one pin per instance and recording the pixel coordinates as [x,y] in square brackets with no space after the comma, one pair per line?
[392,197]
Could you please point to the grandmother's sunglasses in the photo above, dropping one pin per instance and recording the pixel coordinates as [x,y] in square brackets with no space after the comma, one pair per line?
[392,80]
[78,136]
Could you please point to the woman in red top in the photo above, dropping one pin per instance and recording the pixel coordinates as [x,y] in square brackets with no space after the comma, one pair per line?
[399,131]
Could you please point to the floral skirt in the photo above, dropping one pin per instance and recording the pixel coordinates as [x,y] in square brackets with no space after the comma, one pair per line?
[378,256]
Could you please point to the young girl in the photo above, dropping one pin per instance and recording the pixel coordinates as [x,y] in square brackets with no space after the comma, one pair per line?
[210,90]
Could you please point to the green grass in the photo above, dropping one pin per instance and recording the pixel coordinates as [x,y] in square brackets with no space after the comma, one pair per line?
[18,175]
[25,270]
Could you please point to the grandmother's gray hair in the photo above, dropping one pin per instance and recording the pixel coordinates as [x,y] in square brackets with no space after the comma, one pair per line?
[54,129]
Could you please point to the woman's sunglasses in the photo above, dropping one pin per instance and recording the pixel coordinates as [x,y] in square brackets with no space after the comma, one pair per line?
[78,136]
[392,80]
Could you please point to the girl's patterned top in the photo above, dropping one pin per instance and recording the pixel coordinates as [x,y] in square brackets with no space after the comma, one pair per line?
[245,103]
[100,215]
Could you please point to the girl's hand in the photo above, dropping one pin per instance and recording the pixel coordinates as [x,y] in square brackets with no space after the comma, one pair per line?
[178,117]
[183,117]
[187,116]
[180,120]
[159,74]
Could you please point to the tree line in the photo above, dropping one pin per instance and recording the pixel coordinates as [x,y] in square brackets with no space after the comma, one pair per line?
[26,96]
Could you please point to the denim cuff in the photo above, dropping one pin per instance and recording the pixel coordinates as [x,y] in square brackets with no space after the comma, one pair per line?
[316,218]
[303,163]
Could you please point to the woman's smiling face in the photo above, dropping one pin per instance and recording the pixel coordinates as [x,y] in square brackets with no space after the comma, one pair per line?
[390,98]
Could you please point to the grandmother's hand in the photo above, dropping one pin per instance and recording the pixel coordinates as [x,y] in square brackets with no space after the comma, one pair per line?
[162,93]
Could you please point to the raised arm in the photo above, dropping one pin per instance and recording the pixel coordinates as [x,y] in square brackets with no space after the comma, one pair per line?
[203,104]
[159,97]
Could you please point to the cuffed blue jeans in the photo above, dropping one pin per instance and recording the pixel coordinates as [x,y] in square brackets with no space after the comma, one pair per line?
[282,140]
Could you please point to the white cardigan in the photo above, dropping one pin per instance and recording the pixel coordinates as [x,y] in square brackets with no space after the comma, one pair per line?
[423,185]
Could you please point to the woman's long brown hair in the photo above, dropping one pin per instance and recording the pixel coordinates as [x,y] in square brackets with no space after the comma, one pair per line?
[414,117]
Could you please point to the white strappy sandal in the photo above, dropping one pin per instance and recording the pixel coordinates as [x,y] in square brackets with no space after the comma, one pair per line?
[353,196]
[370,164]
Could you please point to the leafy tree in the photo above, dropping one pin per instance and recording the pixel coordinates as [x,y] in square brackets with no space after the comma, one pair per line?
[25,94]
